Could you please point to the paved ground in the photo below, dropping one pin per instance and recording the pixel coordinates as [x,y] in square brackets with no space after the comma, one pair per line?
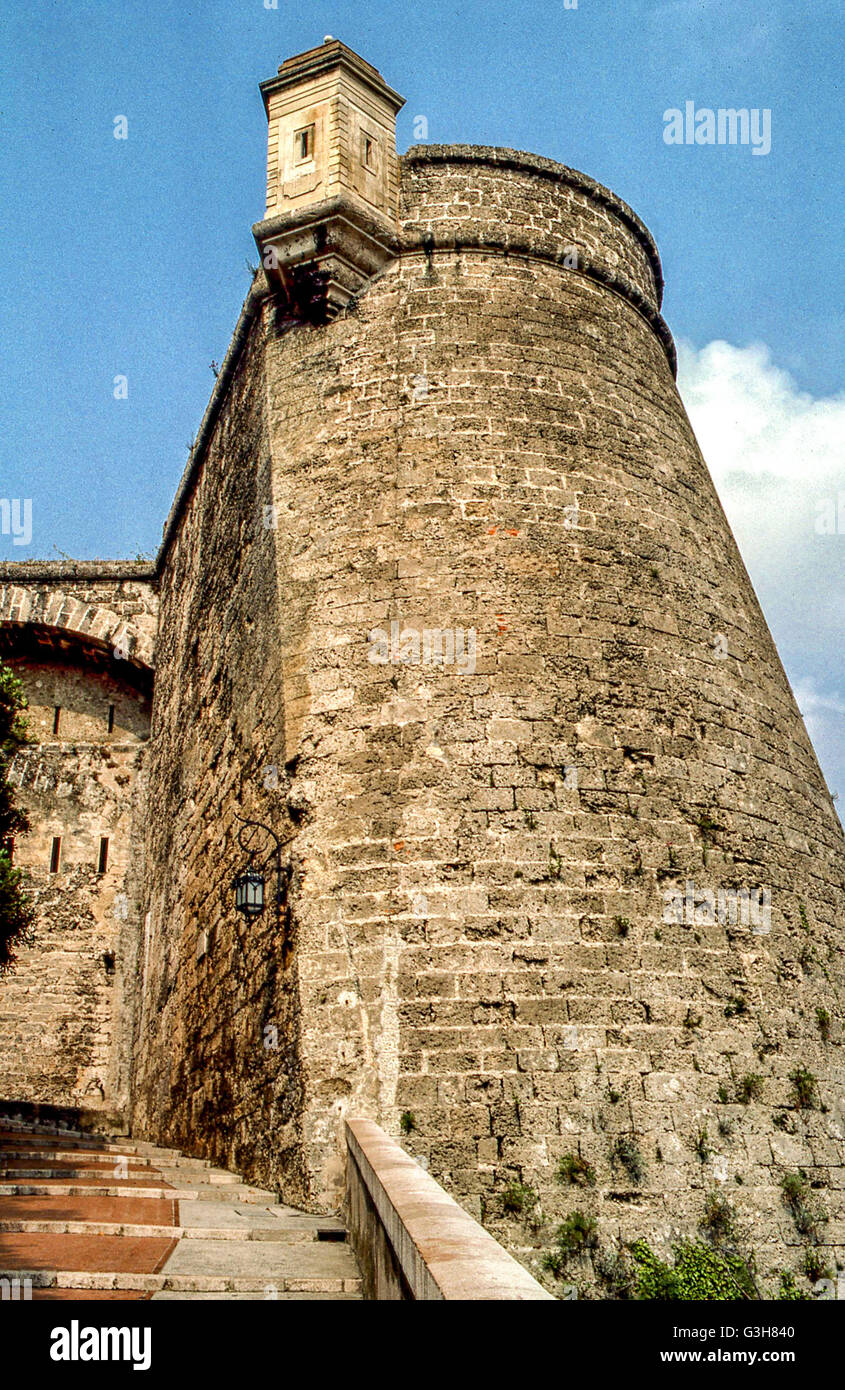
[89,1218]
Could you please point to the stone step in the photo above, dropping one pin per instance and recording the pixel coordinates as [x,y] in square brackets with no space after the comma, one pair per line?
[262,1262]
[89,1228]
[217,1177]
[60,1131]
[103,1171]
[135,1159]
[57,1188]
[175,1227]
[19,1143]
[185,1283]
[199,1215]
[93,1189]
[143,1146]
[240,1193]
[282,1235]
[167,1297]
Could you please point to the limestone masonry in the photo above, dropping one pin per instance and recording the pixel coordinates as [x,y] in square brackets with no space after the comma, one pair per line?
[448,600]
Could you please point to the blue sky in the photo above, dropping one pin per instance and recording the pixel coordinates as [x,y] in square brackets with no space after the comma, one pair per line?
[128,257]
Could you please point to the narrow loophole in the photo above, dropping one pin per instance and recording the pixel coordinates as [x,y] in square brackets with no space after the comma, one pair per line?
[104,855]
[56,854]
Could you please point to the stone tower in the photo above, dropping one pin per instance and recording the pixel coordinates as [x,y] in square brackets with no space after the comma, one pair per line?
[332,179]
[447,599]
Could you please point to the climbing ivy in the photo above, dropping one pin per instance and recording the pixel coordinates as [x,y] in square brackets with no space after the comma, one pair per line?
[698,1274]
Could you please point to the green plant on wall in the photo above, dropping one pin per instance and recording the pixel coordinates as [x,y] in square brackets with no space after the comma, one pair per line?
[813,1265]
[574,1236]
[626,1152]
[749,1087]
[719,1221]
[574,1170]
[555,863]
[736,1006]
[701,1143]
[807,1211]
[788,1291]
[519,1198]
[698,1273]
[804,1089]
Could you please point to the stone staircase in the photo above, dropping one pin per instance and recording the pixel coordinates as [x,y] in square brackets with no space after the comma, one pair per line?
[84,1217]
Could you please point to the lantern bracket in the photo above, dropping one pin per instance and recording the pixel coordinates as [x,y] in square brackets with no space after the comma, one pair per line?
[282,871]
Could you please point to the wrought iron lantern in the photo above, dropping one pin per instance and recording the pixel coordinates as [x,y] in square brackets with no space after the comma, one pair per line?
[249,885]
[249,893]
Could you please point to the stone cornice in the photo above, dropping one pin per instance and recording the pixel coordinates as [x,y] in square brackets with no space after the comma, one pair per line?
[327,58]
[46,571]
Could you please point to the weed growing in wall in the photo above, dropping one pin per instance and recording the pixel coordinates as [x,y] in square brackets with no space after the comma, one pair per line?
[626,1152]
[574,1170]
[807,1211]
[805,1094]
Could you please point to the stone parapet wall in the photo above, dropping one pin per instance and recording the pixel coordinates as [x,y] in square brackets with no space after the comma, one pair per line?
[412,1240]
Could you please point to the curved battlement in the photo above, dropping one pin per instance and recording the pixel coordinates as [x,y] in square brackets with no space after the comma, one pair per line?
[457,197]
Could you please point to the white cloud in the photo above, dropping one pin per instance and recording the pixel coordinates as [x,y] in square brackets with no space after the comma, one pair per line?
[751,419]
[775,454]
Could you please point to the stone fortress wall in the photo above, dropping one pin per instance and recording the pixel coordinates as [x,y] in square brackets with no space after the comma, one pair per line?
[80,637]
[487,445]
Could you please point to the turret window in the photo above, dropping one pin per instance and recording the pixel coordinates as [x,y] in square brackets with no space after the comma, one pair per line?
[303,144]
[369,152]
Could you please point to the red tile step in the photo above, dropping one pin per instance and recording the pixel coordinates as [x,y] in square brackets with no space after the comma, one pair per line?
[122,1254]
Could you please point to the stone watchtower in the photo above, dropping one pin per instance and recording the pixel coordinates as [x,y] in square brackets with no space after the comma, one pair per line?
[332,179]
[447,599]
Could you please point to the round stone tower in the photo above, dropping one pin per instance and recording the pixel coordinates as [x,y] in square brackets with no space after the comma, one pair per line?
[566,877]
